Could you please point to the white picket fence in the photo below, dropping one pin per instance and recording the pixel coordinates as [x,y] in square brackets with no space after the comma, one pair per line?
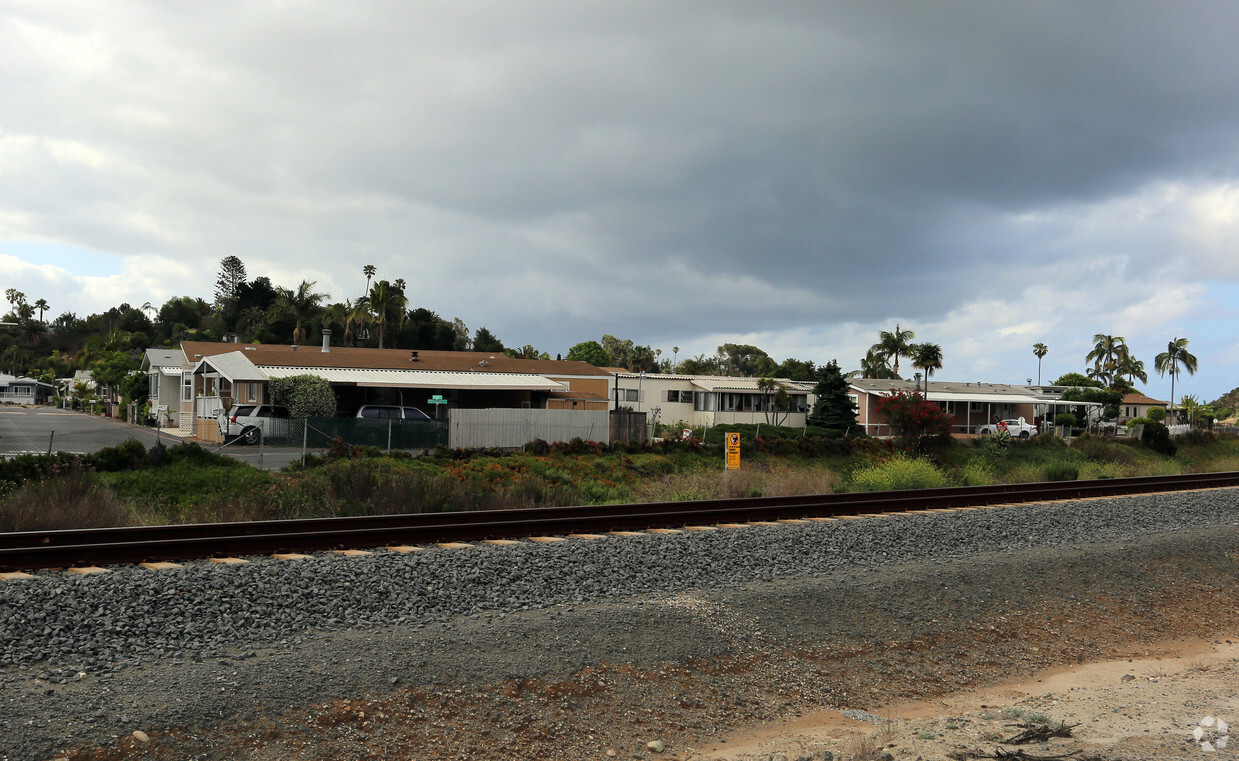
[510,428]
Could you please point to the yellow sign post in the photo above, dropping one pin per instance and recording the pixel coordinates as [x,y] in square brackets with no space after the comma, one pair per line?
[733,451]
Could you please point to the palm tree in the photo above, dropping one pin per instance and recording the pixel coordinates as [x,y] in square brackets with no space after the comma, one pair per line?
[927,357]
[675,354]
[358,314]
[894,345]
[249,321]
[1131,368]
[335,314]
[1174,360]
[368,271]
[1190,403]
[1040,350]
[42,306]
[873,365]
[302,305]
[1106,354]
[384,297]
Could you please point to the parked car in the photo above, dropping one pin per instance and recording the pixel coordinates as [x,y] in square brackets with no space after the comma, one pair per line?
[1018,428]
[251,423]
[390,412]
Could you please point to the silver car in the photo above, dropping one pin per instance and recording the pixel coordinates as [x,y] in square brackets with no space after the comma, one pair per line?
[251,423]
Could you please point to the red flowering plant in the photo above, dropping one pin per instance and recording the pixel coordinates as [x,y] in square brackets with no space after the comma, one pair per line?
[913,419]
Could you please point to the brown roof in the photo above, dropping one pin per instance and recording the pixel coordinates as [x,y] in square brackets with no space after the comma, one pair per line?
[1141,399]
[342,357]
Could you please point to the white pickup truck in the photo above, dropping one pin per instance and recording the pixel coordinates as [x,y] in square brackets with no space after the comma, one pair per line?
[1017,428]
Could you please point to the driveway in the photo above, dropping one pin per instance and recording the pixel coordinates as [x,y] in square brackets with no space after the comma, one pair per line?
[37,430]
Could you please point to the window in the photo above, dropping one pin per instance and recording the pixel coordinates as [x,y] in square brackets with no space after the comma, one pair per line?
[152,387]
[630,395]
[976,406]
[686,397]
[187,386]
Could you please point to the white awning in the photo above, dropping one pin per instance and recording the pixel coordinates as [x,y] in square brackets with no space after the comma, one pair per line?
[959,396]
[170,370]
[746,385]
[421,378]
[234,366]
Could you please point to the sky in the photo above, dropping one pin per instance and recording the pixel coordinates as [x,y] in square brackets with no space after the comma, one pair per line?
[793,175]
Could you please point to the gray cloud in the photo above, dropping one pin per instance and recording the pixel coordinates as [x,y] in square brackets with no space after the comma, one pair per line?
[665,171]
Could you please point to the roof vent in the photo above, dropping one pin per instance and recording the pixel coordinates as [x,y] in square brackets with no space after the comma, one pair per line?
[413,356]
[250,348]
[294,347]
[326,341]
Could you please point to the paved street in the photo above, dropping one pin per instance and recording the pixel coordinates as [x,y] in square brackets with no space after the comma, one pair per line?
[34,430]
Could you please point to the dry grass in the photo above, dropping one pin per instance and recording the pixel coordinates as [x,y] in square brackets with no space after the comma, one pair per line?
[862,747]
[723,484]
[1198,666]
[71,500]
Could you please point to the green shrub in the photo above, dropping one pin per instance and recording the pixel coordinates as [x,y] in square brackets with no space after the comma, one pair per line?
[899,472]
[1065,420]
[1097,449]
[304,395]
[1136,421]
[1060,471]
[1156,414]
[976,473]
[35,467]
[1157,437]
[1199,437]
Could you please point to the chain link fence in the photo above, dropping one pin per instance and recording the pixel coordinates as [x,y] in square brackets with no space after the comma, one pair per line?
[281,443]
[75,442]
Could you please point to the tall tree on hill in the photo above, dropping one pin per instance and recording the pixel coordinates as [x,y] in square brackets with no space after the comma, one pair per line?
[302,305]
[231,279]
[42,306]
[591,352]
[386,300]
[746,360]
[484,340]
[368,271]
[359,315]
[1175,360]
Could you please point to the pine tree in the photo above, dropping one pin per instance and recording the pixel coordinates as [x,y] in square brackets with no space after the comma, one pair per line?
[231,280]
[834,409]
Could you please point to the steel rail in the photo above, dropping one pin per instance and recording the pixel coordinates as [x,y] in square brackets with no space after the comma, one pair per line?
[104,546]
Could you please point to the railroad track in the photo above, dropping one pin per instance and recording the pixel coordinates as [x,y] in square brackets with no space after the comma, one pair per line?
[108,546]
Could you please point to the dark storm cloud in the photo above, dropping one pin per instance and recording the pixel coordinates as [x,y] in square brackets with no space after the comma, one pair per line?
[696,168]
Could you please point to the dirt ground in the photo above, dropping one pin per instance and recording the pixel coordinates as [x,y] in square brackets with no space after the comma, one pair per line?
[1173,700]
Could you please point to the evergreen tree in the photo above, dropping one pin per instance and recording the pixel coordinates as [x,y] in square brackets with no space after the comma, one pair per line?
[231,279]
[484,340]
[834,409]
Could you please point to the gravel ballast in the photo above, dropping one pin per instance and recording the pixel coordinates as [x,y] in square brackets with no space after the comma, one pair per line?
[206,641]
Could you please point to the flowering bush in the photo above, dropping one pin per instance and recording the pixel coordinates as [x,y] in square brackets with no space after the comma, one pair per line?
[913,418]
